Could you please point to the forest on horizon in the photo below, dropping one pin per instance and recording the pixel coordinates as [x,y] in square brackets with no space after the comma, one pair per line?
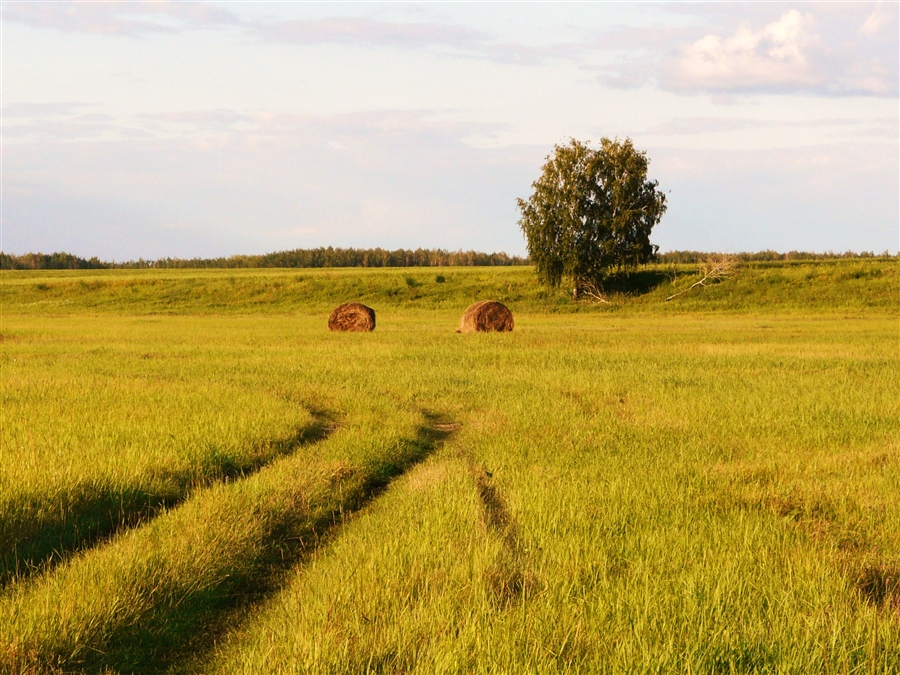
[372,257]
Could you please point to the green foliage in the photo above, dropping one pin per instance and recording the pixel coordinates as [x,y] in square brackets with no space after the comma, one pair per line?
[591,212]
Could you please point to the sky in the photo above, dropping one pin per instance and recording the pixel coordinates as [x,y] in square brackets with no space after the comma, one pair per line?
[199,129]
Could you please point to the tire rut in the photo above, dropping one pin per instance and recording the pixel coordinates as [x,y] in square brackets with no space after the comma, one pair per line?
[509,578]
[93,517]
[178,636]
[195,652]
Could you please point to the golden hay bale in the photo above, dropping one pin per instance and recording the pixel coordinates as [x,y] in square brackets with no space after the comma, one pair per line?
[352,316]
[486,316]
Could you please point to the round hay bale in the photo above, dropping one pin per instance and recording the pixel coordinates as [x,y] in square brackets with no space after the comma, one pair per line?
[352,316]
[486,316]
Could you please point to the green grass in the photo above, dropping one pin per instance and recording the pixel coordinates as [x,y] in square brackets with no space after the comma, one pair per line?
[104,428]
[710,487]
[779,286]
[160,585]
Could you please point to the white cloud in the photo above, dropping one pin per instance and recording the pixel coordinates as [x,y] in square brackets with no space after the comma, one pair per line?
[143,19]
[774,57]
[451,38]
[840,49]
[134,19]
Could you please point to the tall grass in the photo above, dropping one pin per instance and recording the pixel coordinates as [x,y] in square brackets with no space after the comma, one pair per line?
[105,427]
[705,497]
[643,489]
[137,601]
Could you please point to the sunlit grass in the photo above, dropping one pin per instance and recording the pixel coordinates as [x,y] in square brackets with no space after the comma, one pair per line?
[106,425]
[628,490]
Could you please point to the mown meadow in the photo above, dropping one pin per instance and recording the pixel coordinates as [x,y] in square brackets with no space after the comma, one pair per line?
[197,477]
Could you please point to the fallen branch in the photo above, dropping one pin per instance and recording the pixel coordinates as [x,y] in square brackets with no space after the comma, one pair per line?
[714,271]
[592,290]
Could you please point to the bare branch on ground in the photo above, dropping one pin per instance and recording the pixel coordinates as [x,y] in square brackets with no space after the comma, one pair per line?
[714,270]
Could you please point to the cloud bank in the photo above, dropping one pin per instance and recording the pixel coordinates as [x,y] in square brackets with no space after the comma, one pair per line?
[834,54]
[836,50]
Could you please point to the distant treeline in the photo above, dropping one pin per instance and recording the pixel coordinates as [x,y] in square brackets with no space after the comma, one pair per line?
[370,257]
[314,257]
[53,261]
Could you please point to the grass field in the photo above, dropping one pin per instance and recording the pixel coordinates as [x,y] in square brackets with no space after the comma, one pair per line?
[197,477]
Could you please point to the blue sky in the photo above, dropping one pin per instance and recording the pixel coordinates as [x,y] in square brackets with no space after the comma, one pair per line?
[201,129]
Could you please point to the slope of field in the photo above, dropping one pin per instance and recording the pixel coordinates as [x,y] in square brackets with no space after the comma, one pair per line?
[776,286]
[647,487]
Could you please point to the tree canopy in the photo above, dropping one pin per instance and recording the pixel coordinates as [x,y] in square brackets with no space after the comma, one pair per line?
[591,213]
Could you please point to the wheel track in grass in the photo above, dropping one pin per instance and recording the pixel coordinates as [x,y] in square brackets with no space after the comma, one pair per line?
[509,578]
[181,622]
[91,515]
[195,655]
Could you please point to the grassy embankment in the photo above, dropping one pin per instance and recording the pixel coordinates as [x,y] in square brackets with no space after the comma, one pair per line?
[781,286]
[639,486]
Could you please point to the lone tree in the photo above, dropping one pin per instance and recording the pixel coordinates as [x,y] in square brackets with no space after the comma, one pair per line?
[591,213]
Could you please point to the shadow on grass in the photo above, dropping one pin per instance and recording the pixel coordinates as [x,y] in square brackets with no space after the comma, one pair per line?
[180,639]
[635,283]
[45,532]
